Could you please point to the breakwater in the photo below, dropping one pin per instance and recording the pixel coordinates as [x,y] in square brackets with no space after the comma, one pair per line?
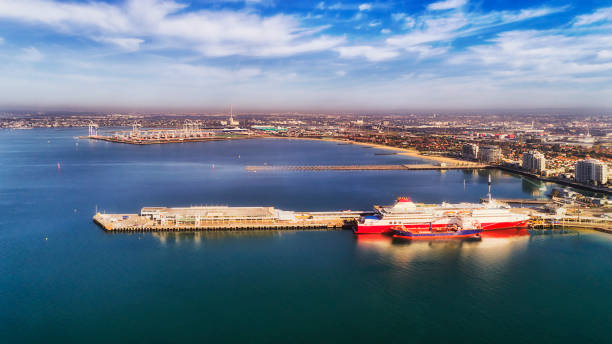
[365,167]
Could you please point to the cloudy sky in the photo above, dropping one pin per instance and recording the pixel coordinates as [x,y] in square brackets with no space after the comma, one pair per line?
[302,55]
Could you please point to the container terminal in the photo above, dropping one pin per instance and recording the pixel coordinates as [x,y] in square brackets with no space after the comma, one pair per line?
[191,132]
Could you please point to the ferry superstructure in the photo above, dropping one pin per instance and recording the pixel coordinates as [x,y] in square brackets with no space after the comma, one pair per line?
[486,216]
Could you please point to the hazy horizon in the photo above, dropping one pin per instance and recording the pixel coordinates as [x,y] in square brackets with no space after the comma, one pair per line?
[46,111]
[313,56]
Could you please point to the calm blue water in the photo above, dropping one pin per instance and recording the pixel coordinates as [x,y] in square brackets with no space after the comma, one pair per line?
[62,279]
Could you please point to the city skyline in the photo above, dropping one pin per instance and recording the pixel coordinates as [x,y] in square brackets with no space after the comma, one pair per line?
[335,56]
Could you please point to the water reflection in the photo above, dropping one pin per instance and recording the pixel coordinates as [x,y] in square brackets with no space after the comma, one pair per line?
[495,246]
[196,238]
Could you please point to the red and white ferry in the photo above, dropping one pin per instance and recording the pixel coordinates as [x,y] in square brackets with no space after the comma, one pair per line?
[486,216]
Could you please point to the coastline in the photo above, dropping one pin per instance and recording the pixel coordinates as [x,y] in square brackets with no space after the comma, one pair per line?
[452,161]
[401,151]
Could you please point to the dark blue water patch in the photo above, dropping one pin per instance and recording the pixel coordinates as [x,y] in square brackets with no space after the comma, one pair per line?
[63,279]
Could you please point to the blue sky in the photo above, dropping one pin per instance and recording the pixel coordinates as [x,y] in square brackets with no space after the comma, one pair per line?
[303,55]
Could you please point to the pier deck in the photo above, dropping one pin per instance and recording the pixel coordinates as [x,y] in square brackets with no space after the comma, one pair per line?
[297,221]
[214,218]
[416,167]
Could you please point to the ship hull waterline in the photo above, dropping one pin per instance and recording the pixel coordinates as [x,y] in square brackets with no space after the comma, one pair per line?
[387,229]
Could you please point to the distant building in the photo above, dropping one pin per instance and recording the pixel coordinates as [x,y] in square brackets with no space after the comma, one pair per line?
[534,161]
[268,128]
[469,151]
[490,154]
[232,122]
[591,171]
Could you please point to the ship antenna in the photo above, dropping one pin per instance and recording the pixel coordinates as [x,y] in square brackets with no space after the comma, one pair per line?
[489,194]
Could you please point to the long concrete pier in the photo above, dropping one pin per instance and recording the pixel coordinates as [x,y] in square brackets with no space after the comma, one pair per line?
[415,167]
[545,221]
[213,218]
[225,218]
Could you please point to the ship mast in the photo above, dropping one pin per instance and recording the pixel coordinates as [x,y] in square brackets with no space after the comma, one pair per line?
[489,194]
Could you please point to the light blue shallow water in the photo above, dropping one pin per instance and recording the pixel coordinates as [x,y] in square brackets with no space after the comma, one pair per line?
[62,279]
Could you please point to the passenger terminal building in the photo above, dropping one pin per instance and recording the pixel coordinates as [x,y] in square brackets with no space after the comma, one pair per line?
[204,214]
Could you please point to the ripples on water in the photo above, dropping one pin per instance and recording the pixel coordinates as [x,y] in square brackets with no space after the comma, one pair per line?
[62,279]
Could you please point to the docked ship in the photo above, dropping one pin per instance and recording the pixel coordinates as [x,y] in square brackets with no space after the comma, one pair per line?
[485,216]
[447,233]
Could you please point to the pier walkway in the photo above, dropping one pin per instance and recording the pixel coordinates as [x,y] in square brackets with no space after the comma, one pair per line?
[213,218]
[587,222]
[296,221]
[415,167]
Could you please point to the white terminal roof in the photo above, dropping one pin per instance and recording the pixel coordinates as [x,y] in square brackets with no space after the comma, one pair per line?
[214,211]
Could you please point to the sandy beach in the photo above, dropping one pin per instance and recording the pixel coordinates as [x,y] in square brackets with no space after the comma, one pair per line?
[400,151]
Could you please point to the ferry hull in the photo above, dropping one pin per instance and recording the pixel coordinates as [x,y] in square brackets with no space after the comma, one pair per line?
[387,229]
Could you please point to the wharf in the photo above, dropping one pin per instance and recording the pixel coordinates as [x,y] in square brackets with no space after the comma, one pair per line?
[217,218]
[545,221]
[414,167]
[224,218]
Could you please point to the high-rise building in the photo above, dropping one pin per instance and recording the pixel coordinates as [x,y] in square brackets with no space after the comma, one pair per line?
[534,161]
[591,171]
[490,154]
[469,151]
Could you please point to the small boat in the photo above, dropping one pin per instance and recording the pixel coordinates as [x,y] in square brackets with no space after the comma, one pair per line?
[450,232]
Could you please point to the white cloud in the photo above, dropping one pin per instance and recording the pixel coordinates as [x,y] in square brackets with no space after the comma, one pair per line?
[218,74]
[409,23]
[570,65]
[446,5]
[429,35]
[602,14]
[374,23]
[365,7]
[543,56]
[1,40]
[431,29]
[371,53]
[604,54]
[31,54]
[320,5]
[66,16]
[398,16]
[510,17]
[214,33]
[437,27]
[127,44]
